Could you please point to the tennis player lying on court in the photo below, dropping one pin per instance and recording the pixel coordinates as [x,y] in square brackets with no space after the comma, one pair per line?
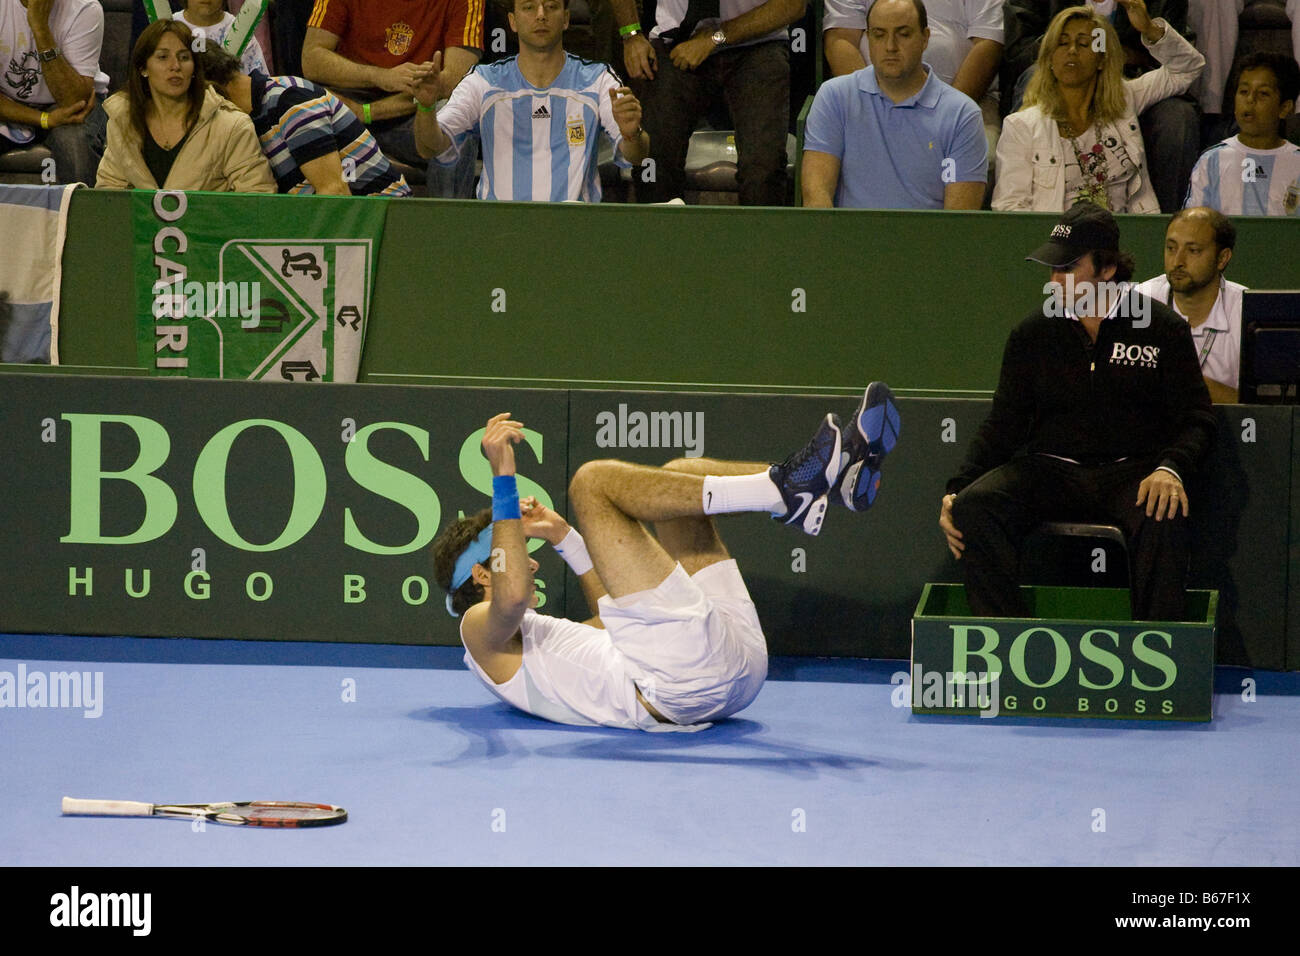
[677,642]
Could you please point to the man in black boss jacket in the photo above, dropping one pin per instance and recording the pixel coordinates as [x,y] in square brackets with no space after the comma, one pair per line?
[1103,391]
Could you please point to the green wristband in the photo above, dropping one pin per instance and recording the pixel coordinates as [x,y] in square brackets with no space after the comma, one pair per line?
[365,114]
[629,30]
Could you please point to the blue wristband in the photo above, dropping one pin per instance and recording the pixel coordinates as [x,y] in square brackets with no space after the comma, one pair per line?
[505,498]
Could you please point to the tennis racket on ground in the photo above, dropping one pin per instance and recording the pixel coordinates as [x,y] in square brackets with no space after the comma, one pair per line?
[254,813]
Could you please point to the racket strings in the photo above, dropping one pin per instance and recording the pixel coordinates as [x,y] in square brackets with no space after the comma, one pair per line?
[268,813]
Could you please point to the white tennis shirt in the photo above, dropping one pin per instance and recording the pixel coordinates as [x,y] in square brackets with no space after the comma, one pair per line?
[573,674]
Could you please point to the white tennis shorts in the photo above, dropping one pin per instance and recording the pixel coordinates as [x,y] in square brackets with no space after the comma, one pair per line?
[696,638]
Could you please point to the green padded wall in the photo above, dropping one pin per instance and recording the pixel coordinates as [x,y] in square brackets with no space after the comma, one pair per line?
[641,297]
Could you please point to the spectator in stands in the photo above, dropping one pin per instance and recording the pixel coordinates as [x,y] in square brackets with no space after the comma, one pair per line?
[210,20]
[168,130]
[1256,172]
[894,135]
[1198,248]
[571,102]
[700,54]
[1215,25]
[1077,137]
[376,53]
[313,142]
[1170,125]
[965,47]
[49,51]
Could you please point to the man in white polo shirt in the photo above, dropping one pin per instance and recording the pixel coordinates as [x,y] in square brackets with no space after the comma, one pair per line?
[894,135]
[1198,247]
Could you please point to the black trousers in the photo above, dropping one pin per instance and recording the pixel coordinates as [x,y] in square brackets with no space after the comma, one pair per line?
[999,510]
[755,82]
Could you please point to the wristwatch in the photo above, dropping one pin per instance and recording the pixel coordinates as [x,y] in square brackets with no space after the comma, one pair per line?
[719,38]
[45,56]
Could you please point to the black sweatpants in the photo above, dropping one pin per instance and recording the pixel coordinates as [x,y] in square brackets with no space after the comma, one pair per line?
[999,510]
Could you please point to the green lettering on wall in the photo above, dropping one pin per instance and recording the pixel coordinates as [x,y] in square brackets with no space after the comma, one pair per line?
[392,483]
[87,475]
[210,485]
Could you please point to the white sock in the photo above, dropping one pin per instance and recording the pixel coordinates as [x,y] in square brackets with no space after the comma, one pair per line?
[723,495]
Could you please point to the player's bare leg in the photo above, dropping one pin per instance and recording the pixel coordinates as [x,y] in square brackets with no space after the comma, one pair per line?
[611,499]
[694,541]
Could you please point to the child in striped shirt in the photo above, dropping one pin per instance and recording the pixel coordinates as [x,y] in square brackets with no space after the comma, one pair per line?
[313,142]
[1256,172]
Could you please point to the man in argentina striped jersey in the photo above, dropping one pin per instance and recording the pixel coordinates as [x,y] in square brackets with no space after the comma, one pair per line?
[540,115]
[313,142]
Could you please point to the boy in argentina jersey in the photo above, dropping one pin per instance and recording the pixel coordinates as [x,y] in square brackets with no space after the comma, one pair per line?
[1256,172]
[540,115]
[676,642]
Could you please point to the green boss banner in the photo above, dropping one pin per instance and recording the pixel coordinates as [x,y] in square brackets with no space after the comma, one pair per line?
[277,289]
[229,509]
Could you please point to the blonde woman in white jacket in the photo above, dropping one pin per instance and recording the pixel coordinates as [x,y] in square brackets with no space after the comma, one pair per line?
[1077,137]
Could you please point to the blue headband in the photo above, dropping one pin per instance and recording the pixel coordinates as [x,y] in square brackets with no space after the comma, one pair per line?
[479,550]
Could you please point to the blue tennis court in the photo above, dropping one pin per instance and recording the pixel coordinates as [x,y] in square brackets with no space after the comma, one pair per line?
[822,769]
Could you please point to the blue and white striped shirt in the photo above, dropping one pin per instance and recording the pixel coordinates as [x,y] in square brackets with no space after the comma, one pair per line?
[1240,181]
[538,144]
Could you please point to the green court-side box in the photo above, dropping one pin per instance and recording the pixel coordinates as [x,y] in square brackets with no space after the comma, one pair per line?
[1078,654]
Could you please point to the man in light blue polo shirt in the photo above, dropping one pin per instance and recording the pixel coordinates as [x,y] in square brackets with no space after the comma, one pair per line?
[894,136]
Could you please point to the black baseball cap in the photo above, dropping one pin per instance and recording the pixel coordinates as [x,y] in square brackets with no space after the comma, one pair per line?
[1084,228]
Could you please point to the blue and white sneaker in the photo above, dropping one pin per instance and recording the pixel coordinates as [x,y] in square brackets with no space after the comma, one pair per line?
[806,477]
[868,438]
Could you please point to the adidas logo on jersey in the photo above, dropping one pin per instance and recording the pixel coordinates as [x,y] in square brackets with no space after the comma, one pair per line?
[541,112]
[1252,171]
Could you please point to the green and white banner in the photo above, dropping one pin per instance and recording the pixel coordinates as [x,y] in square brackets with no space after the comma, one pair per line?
[275,290]
[157,10]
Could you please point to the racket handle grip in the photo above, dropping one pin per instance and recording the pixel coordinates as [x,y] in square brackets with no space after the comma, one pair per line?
[106,808]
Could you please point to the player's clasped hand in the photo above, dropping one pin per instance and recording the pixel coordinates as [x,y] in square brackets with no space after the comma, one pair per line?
[541,522]
[1163,494]
[955,543]
[499,439]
